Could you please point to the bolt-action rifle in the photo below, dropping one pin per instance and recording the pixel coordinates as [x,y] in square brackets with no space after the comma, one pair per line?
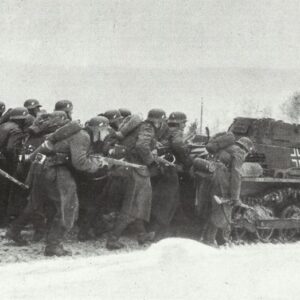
[13,179]
[118,162]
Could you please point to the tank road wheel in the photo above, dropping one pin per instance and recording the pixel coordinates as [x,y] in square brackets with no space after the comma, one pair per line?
[239,234]
[291,211]
[263,234]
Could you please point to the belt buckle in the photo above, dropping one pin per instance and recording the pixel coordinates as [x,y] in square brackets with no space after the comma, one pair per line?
[40,158]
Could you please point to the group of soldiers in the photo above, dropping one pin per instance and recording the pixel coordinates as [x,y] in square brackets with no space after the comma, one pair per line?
[114,172]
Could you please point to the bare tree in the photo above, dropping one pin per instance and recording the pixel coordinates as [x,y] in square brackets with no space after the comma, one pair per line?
[291,108]
[192,129]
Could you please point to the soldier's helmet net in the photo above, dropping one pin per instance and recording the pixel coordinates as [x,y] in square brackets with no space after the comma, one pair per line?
[246,143]
[31,103]
[64,105]
[177,117]
[156,114]
[112,115]
[2,107]
[19,113]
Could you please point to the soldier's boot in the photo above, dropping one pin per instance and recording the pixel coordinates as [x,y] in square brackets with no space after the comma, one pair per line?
[54,240]
[56,250]
[143,236]
[209,237]
[14,233]
[113,243]
[146,237]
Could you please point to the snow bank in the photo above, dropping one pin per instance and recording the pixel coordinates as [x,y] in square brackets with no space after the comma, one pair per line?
[170,269]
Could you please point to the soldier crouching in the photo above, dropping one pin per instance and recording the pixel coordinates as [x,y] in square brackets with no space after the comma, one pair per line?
[226,183]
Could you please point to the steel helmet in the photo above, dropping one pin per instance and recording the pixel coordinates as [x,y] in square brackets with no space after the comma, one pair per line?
[246,143]
[124,112]
[64,105]
[112,115]
[98,121]
[18,113]
[177,117]
[31,103]
[156,114]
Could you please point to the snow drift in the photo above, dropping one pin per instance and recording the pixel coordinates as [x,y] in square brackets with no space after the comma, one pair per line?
[170,269]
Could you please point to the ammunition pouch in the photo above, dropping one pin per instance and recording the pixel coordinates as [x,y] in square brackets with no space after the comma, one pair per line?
[203,165]
[58,159]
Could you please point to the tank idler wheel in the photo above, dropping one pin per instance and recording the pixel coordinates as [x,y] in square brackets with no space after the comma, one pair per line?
[291,211]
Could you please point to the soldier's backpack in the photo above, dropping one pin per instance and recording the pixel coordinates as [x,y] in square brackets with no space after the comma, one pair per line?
[129,124]
[220,141]
[48,122]
[64,132]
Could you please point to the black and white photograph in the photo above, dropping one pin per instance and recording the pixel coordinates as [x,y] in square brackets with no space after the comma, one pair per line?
[150,149]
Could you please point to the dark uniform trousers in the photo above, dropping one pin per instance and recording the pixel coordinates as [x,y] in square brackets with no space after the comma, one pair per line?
[136,205]
[61,201]
[165,198]
[91,203]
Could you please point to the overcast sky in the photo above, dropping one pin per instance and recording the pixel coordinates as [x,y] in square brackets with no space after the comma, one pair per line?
[164,33]
[149,53]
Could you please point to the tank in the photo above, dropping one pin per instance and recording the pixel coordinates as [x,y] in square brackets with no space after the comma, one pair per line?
[274,195]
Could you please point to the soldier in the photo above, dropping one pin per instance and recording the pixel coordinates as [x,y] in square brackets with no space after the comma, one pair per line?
[90,187]
[165,184]
[53,181]
[226,183]
[37,133]
[11,135]
[33,107]
[176,124]
[2,108]
[66,106]
[17,196]
[113,147]
[136,205]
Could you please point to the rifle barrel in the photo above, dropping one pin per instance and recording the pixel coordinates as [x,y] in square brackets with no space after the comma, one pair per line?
[14,180]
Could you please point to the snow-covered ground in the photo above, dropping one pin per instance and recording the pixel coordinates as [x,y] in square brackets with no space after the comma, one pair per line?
[170,269]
